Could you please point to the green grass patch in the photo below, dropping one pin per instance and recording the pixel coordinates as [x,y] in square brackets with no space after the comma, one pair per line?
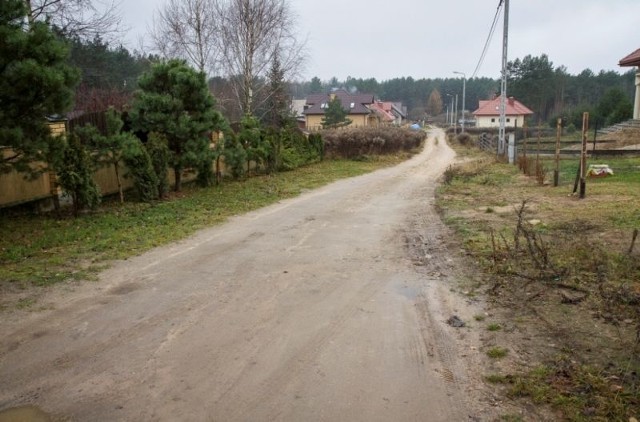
[497,352]
[494,327]
[42,249]
[511,418]
[580,392]
[25,303]
[496,379]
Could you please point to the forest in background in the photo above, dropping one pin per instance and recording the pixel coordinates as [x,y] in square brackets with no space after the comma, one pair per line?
[109,76]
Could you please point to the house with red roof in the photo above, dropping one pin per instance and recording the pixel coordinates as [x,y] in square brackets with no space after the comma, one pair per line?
[383,111]
[633,59]
[488,113]
[392,109]
[356,105]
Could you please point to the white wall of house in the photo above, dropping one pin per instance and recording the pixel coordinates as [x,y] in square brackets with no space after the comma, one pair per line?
[494,121]
[636,107]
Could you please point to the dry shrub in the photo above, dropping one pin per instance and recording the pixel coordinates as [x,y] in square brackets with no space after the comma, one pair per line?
[360,142]
[464,139]
[541,172]
[464,172]
[523,163]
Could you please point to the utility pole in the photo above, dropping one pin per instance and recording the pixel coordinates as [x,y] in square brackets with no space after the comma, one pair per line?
[464,89]
[455,113]
[503,84]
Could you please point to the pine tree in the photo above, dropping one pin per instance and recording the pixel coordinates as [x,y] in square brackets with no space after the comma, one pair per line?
[35,81]
[174,101]
[138,161]
[279,113]
[158,148]
[75,175]
[335,115]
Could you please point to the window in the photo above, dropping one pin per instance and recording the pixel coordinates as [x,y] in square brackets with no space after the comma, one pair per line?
[508,120]
[353,105]
[493,120]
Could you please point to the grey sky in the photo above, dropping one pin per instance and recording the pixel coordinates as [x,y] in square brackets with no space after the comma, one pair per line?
[428,39]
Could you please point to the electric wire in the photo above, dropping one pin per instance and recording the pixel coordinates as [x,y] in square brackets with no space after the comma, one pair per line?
[489,38]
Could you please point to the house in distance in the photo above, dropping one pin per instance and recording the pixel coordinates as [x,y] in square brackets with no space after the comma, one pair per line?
[488,113]
[362,109]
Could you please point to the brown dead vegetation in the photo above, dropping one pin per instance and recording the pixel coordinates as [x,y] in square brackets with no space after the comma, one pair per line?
[563,275]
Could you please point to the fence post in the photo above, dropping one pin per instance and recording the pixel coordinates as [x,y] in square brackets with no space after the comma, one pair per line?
[556,172]
[538,148]
[583,157]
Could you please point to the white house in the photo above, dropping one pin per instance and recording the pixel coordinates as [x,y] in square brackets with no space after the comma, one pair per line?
[633,59]
[488,113]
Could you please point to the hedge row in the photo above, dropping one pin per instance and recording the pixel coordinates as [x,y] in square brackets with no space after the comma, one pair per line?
[357,143]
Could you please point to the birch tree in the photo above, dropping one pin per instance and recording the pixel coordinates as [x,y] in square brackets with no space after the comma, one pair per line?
[86,19]
[251,33]
[237,39]
[187,29]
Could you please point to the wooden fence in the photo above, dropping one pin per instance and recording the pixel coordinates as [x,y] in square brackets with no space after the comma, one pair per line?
[15,189]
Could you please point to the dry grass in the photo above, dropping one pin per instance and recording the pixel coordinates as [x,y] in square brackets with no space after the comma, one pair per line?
[561,271]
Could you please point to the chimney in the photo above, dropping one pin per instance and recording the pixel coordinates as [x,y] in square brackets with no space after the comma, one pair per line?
[332,96]
[512,101]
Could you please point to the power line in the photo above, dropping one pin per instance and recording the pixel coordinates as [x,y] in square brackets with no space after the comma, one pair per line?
[486,45]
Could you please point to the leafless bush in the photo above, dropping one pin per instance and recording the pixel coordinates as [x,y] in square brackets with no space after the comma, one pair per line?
[464,139]
[541,172]
[528,255]
[449,174]
[355,143]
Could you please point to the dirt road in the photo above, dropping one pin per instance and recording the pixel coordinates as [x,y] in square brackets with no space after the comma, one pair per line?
[330,306]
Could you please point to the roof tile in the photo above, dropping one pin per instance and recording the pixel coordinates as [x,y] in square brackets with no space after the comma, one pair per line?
[359,101]
[492,108]
[632,59]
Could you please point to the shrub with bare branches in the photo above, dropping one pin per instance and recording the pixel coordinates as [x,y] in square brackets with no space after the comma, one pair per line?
[356,143]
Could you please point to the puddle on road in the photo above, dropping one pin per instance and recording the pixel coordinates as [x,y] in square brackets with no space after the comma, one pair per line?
[24,414]
[409,292]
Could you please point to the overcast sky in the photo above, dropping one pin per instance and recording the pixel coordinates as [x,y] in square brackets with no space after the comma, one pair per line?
[429,39]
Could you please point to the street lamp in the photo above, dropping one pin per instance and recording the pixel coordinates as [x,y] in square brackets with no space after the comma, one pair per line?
[464,89]
[450,114]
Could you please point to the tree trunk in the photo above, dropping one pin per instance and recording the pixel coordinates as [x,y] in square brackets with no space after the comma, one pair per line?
[177,170]
[29,12]
[115,167]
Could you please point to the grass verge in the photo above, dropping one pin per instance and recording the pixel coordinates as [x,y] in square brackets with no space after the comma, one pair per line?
[563,268]
[39,250]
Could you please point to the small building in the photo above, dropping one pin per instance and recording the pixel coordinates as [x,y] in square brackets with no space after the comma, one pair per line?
[488,113]
[396,111]
[633,59]
[297,110]
[383,111]
[356,105]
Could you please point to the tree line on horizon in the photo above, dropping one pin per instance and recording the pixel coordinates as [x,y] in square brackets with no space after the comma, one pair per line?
[548,90]
[110,73]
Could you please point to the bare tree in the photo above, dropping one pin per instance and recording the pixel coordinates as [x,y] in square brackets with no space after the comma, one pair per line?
[85,19]
[237,39]
[251,33]
[187,29]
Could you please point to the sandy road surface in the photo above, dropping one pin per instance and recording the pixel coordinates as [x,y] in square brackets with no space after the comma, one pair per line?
[326,307]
